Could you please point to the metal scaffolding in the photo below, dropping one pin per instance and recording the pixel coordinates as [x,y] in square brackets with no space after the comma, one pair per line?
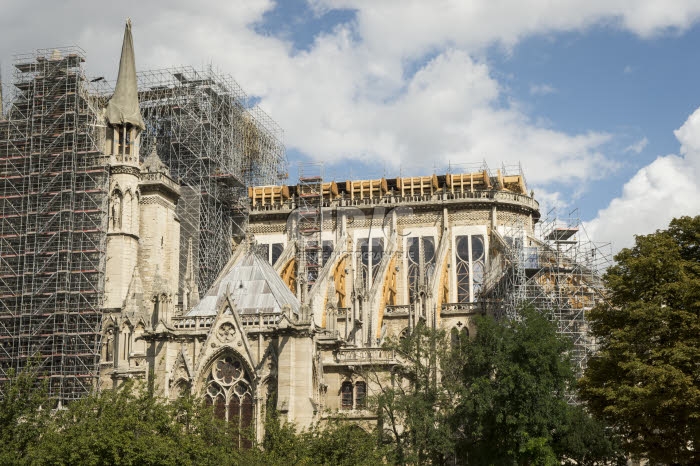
[216,145]
[557,272]
[309,223]
[53,223]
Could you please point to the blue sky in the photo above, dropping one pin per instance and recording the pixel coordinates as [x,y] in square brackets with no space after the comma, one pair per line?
[596,99]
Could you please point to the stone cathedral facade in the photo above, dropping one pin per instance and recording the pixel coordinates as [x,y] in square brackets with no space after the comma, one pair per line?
[326,273]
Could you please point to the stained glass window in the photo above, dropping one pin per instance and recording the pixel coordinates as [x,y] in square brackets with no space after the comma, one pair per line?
[230,395]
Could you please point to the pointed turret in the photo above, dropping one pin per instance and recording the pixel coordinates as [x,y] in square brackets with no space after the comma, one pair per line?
[191,287]
[123,107]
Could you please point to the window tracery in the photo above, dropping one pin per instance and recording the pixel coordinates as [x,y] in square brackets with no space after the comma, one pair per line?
[230,394]
[421,252]
[371,253]
[470,266]
[462,269]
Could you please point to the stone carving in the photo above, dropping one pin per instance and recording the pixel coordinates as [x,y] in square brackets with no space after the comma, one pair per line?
[226,332]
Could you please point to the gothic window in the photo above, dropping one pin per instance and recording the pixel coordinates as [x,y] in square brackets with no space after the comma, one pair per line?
[326,252]
[360,395]
[127,141]
[478,263]
[371,253]
[462,269]
[377,253]
[346,395]
[420,250]
[229,393]
[470,261]
[276,250]
[363,246]
[413,246]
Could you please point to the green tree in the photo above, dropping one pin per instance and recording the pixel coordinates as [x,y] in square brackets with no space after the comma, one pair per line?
[129,426]
[339,443]
[645,378]
[513,410]
[415,404]
[24,415]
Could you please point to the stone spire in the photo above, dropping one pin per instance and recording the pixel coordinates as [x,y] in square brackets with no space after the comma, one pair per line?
[191,287]
[123,107]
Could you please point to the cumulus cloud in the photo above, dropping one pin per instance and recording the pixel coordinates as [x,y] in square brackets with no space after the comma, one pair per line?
[660,191]
[400,84]
[542,89]
[638,146]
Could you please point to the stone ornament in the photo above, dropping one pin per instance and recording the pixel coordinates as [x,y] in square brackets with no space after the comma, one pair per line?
[226,332]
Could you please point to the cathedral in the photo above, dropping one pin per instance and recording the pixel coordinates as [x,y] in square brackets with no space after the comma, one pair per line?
[178,260]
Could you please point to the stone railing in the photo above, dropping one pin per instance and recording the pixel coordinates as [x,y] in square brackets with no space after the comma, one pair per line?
[483,195]
[479,307]
[158,177]
[268,319]
[364,356]
[192,322]
[400,309]
[460,308]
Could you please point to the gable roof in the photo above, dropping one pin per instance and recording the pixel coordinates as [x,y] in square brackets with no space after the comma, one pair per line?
[253,286]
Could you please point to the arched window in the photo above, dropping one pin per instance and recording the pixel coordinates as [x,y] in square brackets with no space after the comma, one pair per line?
[360,395]
[478,263]
[229,393]
[462,247]
[346,395]
[420,250]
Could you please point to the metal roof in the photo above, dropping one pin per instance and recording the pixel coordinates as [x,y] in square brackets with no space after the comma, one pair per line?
[254,287]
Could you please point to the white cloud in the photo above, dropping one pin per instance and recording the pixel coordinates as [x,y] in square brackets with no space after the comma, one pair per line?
[349,95]
[628,69]
[638,146]
[542,89]
[664,189]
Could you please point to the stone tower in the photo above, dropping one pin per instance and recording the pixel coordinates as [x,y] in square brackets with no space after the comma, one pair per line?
[124,127]
[159,251]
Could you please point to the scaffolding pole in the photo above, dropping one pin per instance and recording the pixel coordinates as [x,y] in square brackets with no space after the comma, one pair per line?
[557,271]
[216,144]
[53,223]
[309,224]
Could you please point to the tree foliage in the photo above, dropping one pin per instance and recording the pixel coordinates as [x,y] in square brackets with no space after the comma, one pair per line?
[645,379]
[414,406]
[516,376]
[498,398]
[24,415]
